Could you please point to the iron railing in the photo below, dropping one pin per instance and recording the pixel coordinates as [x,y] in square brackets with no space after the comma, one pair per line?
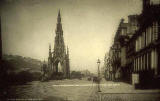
[125,97]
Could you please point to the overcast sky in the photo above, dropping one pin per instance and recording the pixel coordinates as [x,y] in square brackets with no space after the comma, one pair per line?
[28,26]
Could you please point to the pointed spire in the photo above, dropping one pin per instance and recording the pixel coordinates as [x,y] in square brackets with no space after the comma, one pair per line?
[67,50]
[59,25]
[49,47]
[122,20]
[59,16]
[50,53]
[59,46]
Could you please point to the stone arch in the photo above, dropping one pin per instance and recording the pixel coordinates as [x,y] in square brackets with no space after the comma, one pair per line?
[58,66]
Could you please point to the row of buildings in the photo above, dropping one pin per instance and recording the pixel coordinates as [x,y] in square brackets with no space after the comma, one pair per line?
[134,56]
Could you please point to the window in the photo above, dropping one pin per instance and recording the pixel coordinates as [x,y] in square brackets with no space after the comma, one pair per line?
[134,65]
[140,42]
[149,60]
[149,35]
[138,63]
[123,31]
[146,37]
[136,45]
[143,40]
[155,30]
[144,62]
[141,63]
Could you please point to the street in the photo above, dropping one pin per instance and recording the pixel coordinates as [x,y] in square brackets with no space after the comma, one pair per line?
[74,90]
[80,90]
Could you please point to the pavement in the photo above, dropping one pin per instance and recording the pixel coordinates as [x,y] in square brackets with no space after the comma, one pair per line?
[121,87]
[120,91]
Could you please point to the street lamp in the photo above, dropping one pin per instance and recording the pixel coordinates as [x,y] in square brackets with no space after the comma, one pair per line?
[98,62]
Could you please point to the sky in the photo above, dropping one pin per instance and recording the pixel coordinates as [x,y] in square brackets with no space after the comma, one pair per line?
[28,26]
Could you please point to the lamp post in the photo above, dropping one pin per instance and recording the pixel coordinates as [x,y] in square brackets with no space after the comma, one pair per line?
[98,62]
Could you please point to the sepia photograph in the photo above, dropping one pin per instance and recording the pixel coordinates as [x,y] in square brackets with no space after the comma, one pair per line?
[80,50]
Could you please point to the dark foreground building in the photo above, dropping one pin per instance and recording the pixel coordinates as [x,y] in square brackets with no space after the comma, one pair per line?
[147,45]
[58,60]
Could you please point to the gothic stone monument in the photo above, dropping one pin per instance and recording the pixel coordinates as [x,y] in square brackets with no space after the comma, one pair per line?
[58,60]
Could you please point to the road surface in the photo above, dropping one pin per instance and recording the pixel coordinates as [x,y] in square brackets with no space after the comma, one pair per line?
[74,90]
[80,90]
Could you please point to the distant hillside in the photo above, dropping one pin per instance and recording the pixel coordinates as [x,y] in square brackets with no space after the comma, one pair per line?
[20,70]
[18,63]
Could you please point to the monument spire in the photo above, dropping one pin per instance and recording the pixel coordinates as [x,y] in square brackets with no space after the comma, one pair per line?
[58,61]
[59,17]
[59,47]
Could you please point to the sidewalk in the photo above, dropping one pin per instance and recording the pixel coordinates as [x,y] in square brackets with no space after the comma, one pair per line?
[121,87]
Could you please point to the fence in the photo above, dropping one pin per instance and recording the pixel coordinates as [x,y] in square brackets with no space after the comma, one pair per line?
[125,97]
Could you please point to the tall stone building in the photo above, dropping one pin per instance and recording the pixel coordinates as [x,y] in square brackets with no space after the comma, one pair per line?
[58,60]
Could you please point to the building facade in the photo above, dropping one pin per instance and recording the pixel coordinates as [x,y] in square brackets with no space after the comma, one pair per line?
[108,65]
[147,45]
[137,47]
[129,47]
[58,60]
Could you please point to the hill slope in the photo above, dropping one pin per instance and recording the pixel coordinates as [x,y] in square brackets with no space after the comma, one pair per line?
[20,70]
[18,63]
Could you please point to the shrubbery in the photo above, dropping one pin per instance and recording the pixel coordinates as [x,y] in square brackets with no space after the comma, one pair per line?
[76,75]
